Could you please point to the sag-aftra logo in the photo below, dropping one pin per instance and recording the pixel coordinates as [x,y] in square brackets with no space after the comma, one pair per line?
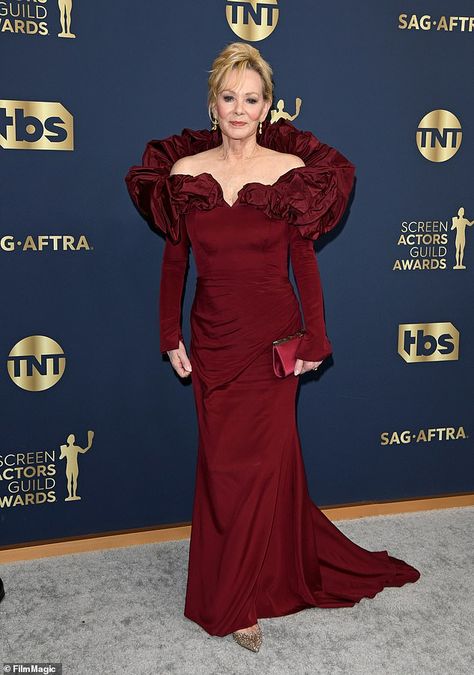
[35,125]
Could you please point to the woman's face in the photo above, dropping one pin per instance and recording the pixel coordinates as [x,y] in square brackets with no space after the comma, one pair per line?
[241,103]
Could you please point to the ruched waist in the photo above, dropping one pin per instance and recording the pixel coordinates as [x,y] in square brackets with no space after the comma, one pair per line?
[242,278]
[235,317]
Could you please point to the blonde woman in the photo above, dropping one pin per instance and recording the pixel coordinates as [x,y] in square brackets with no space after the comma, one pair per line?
[246,197]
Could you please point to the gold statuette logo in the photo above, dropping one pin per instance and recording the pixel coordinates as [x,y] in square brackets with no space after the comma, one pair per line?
[459,224]
[280,113]
[252,20]
[418,342]
[36,363]
[35,125]
[439,135]
[70,452]
[65,9]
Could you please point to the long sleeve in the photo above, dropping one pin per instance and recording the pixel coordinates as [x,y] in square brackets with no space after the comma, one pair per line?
[173,272]
[315,345]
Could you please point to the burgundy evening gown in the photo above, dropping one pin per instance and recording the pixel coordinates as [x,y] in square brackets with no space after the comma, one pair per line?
[259,546]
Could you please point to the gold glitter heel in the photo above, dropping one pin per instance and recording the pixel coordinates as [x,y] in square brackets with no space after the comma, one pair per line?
[251,640]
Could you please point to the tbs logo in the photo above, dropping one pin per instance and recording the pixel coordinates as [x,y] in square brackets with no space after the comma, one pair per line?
[35,125]
[419,342]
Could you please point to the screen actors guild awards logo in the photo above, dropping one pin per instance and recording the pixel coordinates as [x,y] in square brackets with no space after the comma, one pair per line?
[36,17]
[439,135]
[70,452]
[426,244]
[280,112]
[252,20]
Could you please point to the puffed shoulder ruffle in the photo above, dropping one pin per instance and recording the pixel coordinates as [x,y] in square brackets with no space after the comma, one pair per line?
[162,199]
[312,197]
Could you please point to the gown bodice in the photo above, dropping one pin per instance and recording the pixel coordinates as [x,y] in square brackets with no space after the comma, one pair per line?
[312,197]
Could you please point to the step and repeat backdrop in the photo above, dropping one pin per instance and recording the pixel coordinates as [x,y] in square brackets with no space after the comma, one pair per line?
[98,434]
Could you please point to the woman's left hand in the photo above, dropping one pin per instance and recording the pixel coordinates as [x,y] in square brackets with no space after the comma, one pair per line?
[305,366]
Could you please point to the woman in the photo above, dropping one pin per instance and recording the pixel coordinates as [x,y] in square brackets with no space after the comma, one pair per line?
[243,196]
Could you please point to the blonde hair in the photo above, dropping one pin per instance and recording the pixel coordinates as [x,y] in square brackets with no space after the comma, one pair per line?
[237,56]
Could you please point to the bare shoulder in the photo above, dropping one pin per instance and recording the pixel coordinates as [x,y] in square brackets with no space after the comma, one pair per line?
[286,160]
[182,165]
[295,161]
[192,164]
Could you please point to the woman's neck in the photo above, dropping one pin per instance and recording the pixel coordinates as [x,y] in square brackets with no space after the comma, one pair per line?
[238,149]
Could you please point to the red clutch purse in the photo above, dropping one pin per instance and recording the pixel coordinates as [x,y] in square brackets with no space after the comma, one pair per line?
[284,353]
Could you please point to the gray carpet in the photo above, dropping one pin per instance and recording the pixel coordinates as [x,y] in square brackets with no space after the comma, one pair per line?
[120,611]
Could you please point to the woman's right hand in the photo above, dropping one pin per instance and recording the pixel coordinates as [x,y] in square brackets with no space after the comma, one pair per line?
[180,361]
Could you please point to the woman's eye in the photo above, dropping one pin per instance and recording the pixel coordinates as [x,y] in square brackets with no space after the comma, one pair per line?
[228,97]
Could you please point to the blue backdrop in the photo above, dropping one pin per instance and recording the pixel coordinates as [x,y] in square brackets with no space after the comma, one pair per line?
[366,78]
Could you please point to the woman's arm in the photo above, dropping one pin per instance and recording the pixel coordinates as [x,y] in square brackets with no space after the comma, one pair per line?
[315,345]
[173,272]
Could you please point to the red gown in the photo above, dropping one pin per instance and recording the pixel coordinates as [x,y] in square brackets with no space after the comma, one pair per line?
[259,546]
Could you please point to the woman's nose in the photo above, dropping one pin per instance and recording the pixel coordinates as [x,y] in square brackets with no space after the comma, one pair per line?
[238,105]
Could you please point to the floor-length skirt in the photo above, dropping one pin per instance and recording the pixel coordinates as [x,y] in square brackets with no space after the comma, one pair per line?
[259,545]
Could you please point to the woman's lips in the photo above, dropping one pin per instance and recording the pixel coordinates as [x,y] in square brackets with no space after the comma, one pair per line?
[238,124]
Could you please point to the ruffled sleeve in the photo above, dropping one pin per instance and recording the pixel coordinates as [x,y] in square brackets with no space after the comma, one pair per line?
[162,199]
[313,197]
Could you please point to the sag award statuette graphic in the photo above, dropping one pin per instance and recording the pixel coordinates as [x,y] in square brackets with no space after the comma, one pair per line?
[280,112]
[65,9]
[36,18]
[459,224]
[70,452]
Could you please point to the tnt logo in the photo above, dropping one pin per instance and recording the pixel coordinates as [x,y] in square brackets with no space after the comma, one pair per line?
[35,125]
[36,363]
[439,135]
[252,20]
[419,342]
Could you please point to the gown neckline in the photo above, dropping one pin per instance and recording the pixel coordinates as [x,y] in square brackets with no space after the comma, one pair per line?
[245,186]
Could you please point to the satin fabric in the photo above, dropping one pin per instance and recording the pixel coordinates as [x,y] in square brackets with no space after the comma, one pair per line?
[259,546]
[284,355]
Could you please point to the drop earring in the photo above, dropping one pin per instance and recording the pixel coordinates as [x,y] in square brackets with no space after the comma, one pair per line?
[260,128]
[214,124]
